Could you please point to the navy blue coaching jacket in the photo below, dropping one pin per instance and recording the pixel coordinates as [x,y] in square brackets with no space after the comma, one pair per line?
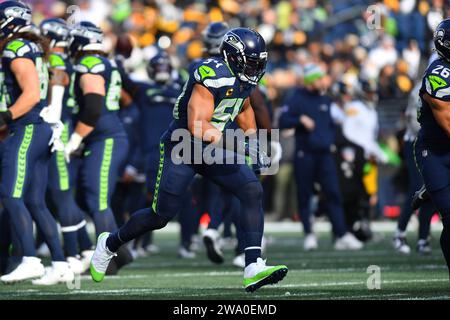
[300,101]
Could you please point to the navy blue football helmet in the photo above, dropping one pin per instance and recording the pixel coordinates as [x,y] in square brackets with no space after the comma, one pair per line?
[244,50]
[56,30]
[159,68]
[212,37]
[85,36]
[15,17]
[442,39]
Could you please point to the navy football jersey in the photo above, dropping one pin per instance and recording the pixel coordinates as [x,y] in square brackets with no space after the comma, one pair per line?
[228,91]
[130,117]
[109,124]
[61,61]
[156,103]
[10,89]
[436,82]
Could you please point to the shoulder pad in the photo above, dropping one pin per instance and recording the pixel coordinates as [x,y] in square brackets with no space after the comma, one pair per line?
[214,74]
[17,48]
[90,64]
[57,62]
[437,80]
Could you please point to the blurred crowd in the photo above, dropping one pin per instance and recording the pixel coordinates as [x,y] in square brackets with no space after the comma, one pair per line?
[381,44]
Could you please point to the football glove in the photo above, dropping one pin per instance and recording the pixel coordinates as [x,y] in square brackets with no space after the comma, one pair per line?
[47,115]
[255,157]
[72,146]
[55,142]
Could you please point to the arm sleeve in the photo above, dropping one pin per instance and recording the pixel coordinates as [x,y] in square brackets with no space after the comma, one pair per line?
[92,110]
[57,102]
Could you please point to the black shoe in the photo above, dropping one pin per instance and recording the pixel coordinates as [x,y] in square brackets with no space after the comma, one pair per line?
[401,245]
[123,258]
[211,241]
[361,230]
[423,247]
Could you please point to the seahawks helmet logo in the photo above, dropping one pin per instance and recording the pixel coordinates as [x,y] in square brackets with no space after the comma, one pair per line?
[18,12]
[234,41]
[56,28]
[439,36]
[90,33]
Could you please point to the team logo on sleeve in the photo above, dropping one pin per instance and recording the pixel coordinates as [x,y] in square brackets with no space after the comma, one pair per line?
[437,82]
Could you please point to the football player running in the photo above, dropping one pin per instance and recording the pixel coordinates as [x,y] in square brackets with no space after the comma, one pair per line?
[216,94]
[432,147]
[212,39]
[24,169]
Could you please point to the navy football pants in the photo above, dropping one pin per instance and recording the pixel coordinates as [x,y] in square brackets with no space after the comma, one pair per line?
[60,190]
[24,180]
[415,182]
[171,184]
[102,163]
[318,167]
[434,165]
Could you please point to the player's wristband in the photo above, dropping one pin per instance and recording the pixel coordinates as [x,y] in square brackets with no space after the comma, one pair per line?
[5,117]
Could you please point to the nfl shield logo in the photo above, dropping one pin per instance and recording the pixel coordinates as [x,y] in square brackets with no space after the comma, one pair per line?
[424,153]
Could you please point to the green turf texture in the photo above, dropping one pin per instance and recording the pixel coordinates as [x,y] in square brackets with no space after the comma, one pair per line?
[323,274]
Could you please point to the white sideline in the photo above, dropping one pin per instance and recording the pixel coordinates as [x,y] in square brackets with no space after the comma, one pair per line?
[319,226]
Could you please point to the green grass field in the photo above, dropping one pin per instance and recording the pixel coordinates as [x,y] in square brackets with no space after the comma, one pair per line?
[324,274]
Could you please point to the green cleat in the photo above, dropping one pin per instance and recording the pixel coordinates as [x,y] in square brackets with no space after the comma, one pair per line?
[101,258]
[258,274]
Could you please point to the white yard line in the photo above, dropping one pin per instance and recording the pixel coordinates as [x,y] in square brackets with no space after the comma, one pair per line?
[239,273]
[178,293]
[447,297]
[375,295]
[295,227]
